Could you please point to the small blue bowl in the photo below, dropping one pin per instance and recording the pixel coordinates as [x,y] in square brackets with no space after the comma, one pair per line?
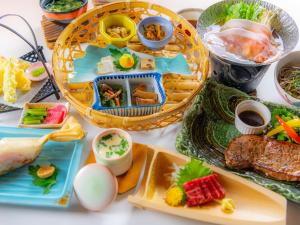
[166,25]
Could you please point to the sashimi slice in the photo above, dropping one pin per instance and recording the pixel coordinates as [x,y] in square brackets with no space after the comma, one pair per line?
[203,190]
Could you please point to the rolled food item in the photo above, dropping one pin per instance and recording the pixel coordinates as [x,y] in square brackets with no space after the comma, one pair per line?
[17,152]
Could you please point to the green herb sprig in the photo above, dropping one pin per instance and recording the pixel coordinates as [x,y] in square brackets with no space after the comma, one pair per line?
[45,183]
[191,171]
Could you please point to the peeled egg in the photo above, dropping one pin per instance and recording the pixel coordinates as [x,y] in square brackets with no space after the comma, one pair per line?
[95,187]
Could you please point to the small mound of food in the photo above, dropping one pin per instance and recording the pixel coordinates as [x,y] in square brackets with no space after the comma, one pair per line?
[154,32]
[116,31]
[12,77]
[140,96]
[112,95]
[289,80]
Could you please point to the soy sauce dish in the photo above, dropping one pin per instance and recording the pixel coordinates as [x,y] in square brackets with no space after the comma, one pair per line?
[252,117]
[113,149]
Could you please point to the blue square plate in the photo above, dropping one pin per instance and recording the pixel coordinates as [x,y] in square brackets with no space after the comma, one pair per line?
[16,186]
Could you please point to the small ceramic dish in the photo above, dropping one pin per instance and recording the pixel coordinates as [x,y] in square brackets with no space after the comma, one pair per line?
[292,58]
[95,187]
[191,14]
[46,105]
[118,164]
[31,71]
[128,82]
[119,20]
[167,26]
[63,17]
[258,109]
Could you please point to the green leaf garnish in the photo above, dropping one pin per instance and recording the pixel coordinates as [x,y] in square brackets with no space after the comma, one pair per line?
[191,171]
[106,137]
[116,54]
[45,183]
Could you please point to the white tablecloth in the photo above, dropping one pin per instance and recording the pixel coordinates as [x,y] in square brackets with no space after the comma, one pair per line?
[120,212]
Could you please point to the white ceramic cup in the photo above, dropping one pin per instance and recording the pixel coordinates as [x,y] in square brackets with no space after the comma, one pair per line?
[118,165]
[255,106]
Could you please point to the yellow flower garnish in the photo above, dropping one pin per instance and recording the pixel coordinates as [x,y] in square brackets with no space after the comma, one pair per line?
[126,61]
[174,196]
[227,205]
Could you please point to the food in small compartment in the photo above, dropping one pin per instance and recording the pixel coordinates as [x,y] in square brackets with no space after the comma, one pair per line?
[116,31]
[289,80]
[147,64]
[12,77]
[123,59]
[142,97]
[105,65]
[154,32]
[43,176]
[64,5]
[112,95]
[266,155]
[95,187]
[54,115]
[195,185]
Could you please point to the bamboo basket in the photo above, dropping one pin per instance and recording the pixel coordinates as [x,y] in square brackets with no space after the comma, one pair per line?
[180,90]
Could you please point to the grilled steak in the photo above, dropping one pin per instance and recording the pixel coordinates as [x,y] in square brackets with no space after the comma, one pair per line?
[277,159]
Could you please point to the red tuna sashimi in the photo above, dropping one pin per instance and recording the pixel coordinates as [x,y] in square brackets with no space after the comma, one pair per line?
[203,190]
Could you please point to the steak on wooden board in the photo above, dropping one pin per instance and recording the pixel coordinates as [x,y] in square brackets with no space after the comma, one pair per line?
[277,159]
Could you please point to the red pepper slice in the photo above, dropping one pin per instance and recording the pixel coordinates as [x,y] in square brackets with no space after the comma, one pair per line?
[290,131]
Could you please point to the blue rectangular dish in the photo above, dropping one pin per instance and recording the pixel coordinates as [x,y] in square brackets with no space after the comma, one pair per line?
[128,81]
[16,186]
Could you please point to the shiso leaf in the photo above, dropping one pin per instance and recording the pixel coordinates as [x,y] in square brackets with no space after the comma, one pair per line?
[116,54]
[45,183]
[191,171]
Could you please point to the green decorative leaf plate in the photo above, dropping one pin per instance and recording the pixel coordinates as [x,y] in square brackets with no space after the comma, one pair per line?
[209,127]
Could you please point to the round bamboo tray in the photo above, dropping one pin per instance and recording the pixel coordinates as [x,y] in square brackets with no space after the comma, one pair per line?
[180,89]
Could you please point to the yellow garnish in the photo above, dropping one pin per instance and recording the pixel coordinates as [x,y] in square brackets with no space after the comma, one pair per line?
[9,82]
[12,76]
[126,61]
[174,196]
[45,171]
[227,205]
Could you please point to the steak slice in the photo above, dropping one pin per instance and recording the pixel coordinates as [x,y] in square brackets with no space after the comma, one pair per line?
[277,159]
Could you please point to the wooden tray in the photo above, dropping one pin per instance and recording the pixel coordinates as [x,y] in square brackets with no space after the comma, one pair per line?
[180,90]
[43,105]
[254,204]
